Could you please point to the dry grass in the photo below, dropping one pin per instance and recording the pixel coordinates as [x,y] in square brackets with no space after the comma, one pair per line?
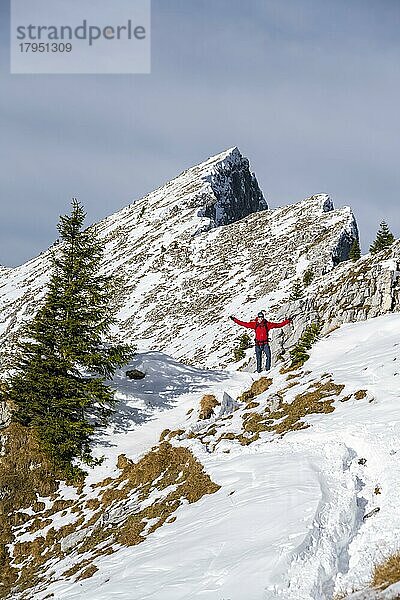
[76,568]
[93,504]
[167,434]
[387,573]
[169,466]
[88,572]
[25,474]
[257,388]
[319,398]
[207,405]
[251,405]
[359,395]
[289,369]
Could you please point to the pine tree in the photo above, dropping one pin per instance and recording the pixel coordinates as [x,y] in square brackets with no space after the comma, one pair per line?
[299,353]
[58,387]
[244,343]
[355,252]
[308,277]
[297,291]
[384,239]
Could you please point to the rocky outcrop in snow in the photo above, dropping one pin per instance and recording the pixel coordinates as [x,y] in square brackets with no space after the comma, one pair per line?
[352,292]
[236,190]
[5,415]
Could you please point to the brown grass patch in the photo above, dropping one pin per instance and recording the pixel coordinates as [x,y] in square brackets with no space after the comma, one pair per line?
[169,466]
[207,405]
[75,569]
[251,405]
[257,388]
[88,572]
[387,572]
[93,504]
[360,395]
[25,474]
[165,433]
[319,398]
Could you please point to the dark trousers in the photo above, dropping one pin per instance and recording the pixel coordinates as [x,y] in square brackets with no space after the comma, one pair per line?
[260,348]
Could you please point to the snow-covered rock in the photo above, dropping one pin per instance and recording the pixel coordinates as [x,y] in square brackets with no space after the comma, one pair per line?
[5,415]
[352,292]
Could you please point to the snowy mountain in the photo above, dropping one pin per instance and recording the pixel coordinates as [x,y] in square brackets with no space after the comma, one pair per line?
[196,250]
[218,483]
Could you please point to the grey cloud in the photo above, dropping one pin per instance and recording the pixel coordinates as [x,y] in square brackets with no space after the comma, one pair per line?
[307,89]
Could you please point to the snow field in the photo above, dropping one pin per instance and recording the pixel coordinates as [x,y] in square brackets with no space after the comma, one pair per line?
[295,517]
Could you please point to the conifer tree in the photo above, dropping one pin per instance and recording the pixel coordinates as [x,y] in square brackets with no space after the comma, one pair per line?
[58,387]
[384,239]
[244,343]
[297,291]
[299,353]
[355,252]
[308,277]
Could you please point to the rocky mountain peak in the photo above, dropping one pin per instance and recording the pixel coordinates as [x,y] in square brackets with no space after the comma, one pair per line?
[218,191]
[201,247]
[235,188]
[322,202]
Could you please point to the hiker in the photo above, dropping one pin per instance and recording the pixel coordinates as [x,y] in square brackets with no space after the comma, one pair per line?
[261,327]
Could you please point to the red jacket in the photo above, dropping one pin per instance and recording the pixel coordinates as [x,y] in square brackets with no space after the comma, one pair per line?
[262,328]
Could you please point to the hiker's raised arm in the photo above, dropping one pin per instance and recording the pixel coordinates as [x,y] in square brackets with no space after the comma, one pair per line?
[248,324]
[272,325]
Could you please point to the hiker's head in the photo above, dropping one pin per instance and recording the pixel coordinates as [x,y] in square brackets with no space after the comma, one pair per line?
[260,317]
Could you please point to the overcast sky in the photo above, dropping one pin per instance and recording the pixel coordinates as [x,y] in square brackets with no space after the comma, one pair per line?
[307,89]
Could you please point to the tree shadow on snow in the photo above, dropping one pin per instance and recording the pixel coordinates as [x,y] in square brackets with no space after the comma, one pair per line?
[166,380]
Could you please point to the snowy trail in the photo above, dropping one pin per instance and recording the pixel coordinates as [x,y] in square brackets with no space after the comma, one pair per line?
[323,553]
[291,517]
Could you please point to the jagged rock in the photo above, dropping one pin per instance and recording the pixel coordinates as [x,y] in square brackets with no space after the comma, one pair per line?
[236,190]
[352,292]
[135,374]
[228,405]
[5,415]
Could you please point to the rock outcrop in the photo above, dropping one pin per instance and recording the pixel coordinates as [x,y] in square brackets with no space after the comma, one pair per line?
[5,415]
[236,190]
[352,292]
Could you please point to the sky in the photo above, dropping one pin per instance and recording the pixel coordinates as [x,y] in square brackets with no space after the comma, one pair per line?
[307,89]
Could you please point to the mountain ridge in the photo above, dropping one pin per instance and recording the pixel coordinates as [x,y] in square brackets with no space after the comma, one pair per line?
[184,247]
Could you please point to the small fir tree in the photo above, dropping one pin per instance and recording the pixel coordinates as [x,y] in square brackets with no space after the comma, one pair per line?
[58,387]
[355,251]
[297,291]
[299,353]
[244,343]
[384,239]
[308,277]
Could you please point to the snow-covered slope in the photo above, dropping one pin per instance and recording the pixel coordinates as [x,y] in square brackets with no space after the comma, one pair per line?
[290,489]
[193,252]
[306,506]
